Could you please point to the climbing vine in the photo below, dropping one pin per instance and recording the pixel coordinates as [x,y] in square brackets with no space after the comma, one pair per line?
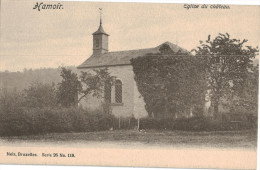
[170,82]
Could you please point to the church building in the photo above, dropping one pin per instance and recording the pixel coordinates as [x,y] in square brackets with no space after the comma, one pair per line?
[125,99]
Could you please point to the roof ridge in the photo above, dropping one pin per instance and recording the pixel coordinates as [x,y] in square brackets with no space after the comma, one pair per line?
[166,42]
[123,57]
[131,50]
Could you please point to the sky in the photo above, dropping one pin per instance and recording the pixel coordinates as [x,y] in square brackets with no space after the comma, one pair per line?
[53,38]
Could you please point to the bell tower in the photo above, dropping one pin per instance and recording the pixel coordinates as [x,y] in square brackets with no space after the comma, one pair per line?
[100,39]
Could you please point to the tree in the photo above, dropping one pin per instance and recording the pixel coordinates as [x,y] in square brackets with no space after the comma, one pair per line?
[94,84]
[68,89]
[170,83]
[247,100]
[40,95]
[227,63]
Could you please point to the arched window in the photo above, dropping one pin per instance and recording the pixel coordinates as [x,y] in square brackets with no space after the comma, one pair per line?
[107,92]
[118,91]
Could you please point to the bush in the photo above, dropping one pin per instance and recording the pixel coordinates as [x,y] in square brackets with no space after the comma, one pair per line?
[193,124]
[35,112]
[15,122]
[40,95]
[12,118]
[16,118]
[47,119]
[198,124]
[30,121]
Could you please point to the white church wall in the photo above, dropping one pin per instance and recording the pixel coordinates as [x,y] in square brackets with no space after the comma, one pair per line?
[125,74]
[132,102]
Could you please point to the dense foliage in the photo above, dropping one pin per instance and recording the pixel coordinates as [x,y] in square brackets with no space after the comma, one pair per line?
[171,84]
[94,83]
[16,118]
[40,107]
[40,95]
[228,63]
[246,102]
[197,124]
[68,88]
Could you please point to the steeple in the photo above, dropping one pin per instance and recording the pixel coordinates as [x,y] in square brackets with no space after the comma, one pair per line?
[100,39]
[100,11]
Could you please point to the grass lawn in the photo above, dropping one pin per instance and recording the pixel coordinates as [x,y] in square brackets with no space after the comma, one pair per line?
[235,139]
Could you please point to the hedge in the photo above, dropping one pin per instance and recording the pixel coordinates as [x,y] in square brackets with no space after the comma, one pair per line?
[30,121]
[194,124]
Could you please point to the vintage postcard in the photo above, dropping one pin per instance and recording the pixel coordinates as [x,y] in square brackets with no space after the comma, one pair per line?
[129,84]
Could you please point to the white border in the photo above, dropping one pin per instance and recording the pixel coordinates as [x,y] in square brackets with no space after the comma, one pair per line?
[230,2]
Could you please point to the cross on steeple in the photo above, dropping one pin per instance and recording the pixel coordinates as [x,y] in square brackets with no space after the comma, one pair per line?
[100,12]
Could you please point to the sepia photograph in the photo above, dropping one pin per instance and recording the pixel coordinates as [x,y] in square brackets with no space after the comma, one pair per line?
[129,84]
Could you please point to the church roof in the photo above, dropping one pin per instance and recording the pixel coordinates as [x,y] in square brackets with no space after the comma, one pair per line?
[118,58]
[100,30]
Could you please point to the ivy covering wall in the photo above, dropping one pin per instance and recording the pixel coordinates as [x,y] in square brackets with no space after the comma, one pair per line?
[172,83]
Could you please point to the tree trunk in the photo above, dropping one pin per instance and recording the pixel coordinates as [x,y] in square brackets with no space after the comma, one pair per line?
[138,124]
[215,107]
[119,123]
[129,123]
